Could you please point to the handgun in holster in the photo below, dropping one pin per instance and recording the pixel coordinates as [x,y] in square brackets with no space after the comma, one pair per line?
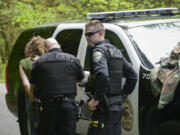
[79,109]
[103,106]
[89,87]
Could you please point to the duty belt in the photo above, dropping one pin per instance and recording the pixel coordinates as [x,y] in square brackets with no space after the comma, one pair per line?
[115,99]
[58,98]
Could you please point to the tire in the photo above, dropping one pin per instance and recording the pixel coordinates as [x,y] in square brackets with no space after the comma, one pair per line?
[151,123]
[168,128]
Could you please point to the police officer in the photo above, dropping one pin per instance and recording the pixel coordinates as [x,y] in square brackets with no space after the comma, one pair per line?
[108,66]
[55,75]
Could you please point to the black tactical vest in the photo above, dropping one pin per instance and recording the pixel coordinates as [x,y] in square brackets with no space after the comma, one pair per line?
[114,61]
[56,75]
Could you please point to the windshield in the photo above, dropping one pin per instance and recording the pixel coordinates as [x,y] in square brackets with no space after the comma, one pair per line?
[155,41]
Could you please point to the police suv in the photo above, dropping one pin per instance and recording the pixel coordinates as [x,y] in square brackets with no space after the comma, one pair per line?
[143,36]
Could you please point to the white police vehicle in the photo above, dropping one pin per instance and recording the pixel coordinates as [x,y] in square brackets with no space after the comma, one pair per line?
[143,36]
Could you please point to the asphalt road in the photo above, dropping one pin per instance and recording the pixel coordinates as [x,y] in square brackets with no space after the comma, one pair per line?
[8,124]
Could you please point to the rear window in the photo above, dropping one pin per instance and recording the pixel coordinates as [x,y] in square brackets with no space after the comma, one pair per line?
[14,81]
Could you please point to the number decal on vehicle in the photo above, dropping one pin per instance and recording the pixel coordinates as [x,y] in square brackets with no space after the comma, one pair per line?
[146,76]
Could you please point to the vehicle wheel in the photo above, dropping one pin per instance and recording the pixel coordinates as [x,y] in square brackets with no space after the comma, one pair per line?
[168,128]
[22,115]
[151,123]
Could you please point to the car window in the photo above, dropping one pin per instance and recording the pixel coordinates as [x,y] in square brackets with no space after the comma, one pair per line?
[70,40]
[114,40]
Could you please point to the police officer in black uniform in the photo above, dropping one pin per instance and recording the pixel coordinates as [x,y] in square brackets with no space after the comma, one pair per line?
[55,75]
[108,66]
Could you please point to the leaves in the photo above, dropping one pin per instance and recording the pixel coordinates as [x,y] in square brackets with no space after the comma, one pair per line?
[17,15]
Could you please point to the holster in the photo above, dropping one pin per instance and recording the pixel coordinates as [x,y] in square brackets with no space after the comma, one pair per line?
[103,105]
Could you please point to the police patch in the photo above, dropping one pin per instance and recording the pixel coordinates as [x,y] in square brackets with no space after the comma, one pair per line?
[97,56]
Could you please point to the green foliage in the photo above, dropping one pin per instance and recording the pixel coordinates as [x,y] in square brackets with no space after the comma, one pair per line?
[27,16]
[17,15]
[2,72]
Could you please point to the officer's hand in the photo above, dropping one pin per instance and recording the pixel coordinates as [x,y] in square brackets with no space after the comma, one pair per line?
[92,104]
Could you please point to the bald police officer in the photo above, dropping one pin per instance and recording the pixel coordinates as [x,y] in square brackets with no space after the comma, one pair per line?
[108,66]
[55,74]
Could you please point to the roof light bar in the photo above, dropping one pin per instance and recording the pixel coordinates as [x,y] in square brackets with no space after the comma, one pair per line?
[131,13]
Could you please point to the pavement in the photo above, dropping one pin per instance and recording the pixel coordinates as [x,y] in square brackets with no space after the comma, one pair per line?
[8,124]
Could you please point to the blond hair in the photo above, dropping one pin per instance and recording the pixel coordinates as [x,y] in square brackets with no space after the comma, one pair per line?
[35,47]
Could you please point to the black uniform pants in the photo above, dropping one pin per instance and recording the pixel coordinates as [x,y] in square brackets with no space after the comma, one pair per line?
[57,119]
[111,123]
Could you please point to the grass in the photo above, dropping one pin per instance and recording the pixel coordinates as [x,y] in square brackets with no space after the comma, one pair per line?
[2,72]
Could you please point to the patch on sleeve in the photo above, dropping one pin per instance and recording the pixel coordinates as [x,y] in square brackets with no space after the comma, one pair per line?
[97,56]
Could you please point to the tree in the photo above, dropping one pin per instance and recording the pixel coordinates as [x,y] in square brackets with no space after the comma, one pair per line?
[17,15]
[6,29]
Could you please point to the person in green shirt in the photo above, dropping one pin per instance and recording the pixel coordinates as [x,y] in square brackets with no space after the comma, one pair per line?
[34,48]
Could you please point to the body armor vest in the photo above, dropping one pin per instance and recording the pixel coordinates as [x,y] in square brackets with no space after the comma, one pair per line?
[114,61]
[56,75]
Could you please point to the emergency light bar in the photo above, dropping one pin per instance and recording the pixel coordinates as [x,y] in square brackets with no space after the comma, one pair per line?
[131,13]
